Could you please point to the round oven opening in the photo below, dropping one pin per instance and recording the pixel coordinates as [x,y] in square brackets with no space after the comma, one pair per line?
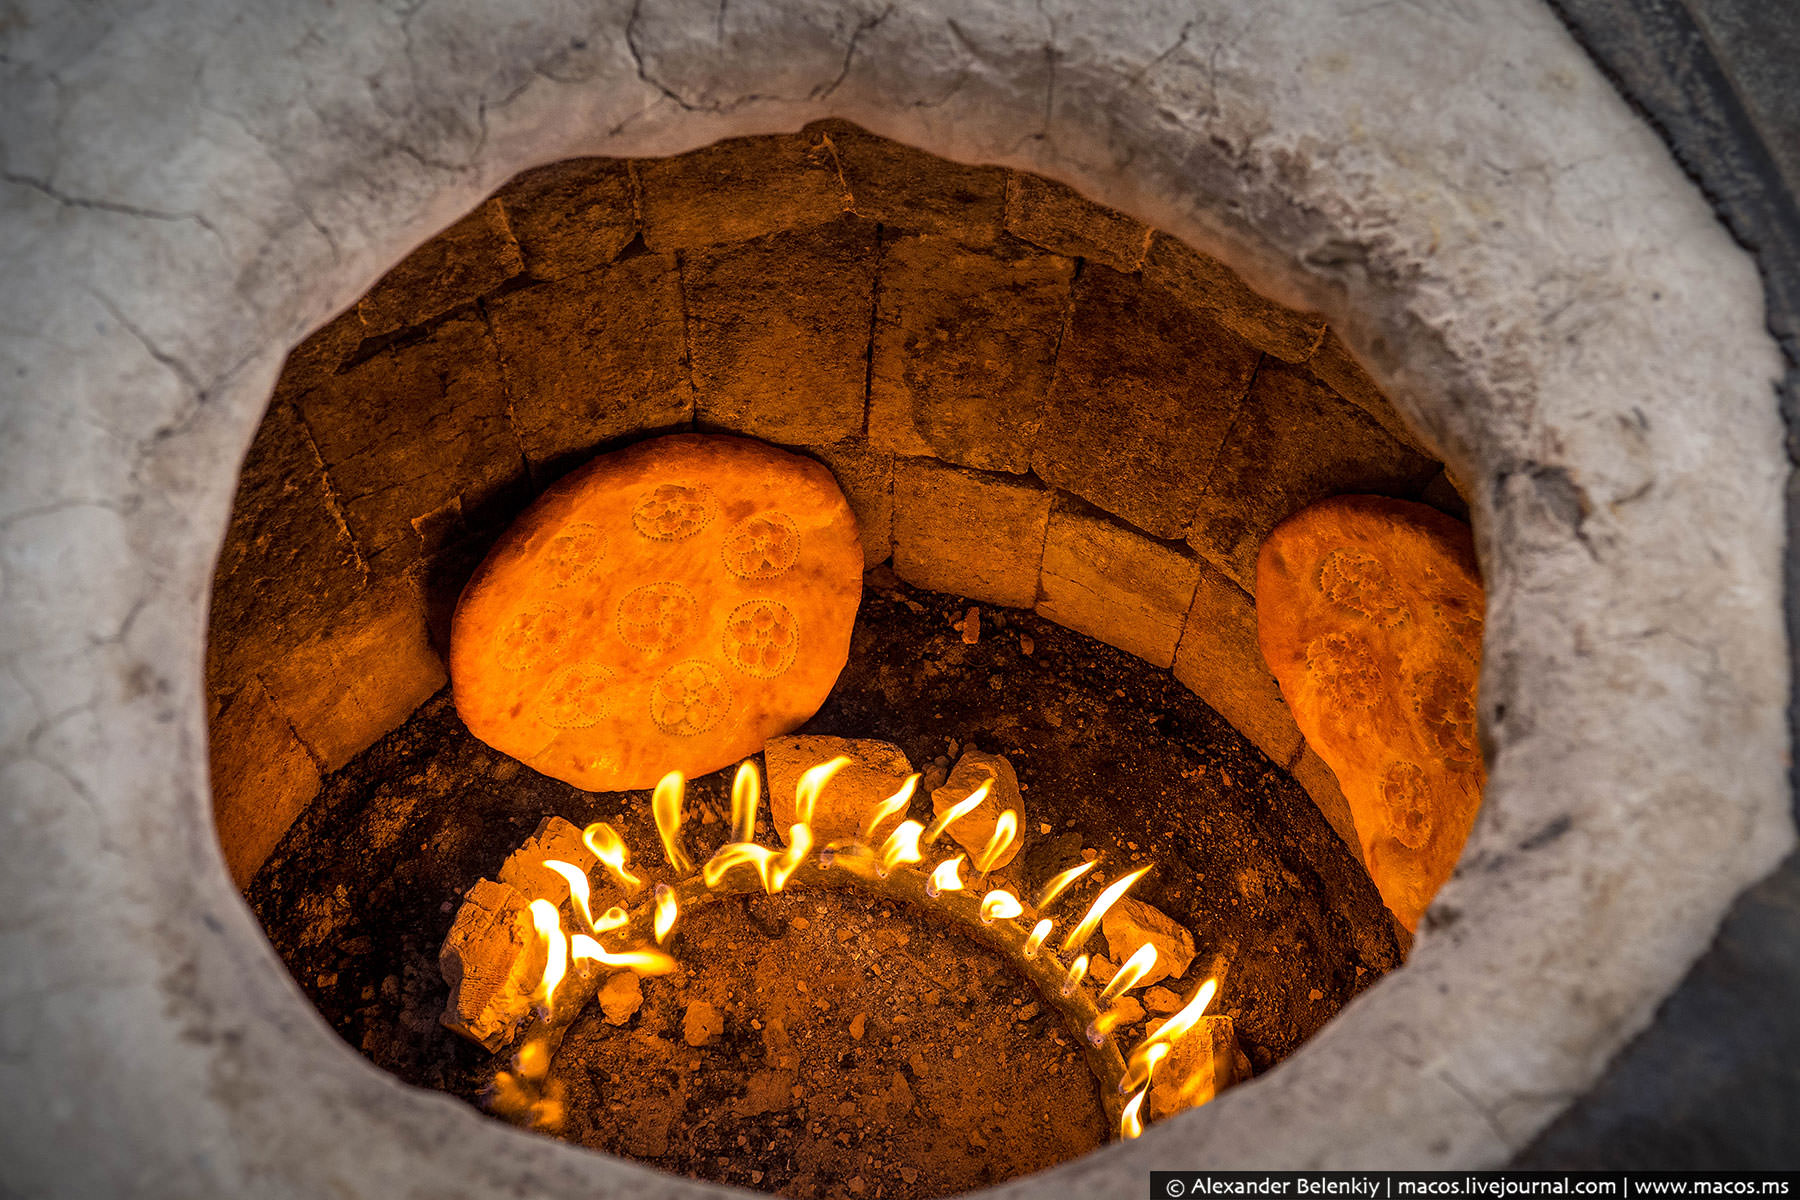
[1057,429]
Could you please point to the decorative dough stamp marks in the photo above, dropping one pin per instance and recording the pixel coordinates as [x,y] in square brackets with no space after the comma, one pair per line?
[762,546]
[533,635]
[1346,668]
[670,512]
[1407,794]
[761,638]
[657,617]
[1357,581]
[575,697]
[574,553]
[689,698]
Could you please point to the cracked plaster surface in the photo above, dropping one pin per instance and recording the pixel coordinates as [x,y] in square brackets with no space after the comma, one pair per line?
[188,187]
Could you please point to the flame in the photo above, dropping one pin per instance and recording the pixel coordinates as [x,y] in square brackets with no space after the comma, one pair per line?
[944,879]
[746,795]
[583,948]
[902,846]
[1080,934]
[812,782]
[1039,932]
[737,854]
[613,918]
[1077,972]
[578,888]
[1061,881]
[605,844]
[1142,1063]
[665,803]
[1000,905]
[1131,1125]
[896,803]
[958,811]
[556,962]
[1184,1020]
[1006,831]
[665,912]
[1104,1024]
[800,843]
[1134,968]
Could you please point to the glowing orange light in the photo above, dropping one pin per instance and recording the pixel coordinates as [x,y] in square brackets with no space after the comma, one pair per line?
[902,846]
[1131,1124]
[1006,830]
[665,912]
[1134,968]
[893,805]
[1000,905]
[746,796]
[958,811]
[1185,1019]
[1039,932]
[548,924]
[605,844]
[1142,1063]
[800,843]
[613,918]
[665,804]
[739,854]
[583,948]
[578,889]
[1080,934]
[1059,883]
[1077,972]
[945,878]
[812,782]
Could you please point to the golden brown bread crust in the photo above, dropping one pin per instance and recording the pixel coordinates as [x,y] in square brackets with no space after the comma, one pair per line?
[1369,613]
[666,607]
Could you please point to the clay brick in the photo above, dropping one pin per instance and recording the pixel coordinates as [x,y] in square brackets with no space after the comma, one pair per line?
[288,568]
[262,779]
[1213,288]
[1334,365]
[1059,218]
[319,356]
[974,535]
[466,261]
[348,685]
[594,357]
[1220,662]
[412,428]
[572,216]
[910,189]
[1294,442]
[739,189]
[1143,396]
[1311,773]
[1115,584]
[778,333]
[867,478]
[965,344]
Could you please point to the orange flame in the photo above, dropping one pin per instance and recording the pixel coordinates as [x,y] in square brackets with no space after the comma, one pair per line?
[1104,1024]
[1000,905]
[665,803]
[1059,883]
[746,795]
[1134,968]
[894,804]
[1142,1063]
[578,889]
[902,846]
[945,879]
[548,923]
[583,948]
[605,844]
[1184,1020]
[1077,972]
[1080,934]
[613,918]
[1131,1124]
[812,782]
[1039,932]
[958,811]
[665,912]
[800,842]
[740,854]
[1006,830]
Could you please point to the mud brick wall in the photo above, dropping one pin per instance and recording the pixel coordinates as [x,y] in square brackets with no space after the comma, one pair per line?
[1030,399]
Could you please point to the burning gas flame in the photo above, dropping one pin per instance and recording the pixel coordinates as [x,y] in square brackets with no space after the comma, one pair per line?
[1133,969]
[740,854]
[548,923]
[605,844]
[665,913]
[665,803]
[1077,972]
[812,782]
[944,878]
[746,795]
[578,889]
[1039,932]
[1059,883]
[1142,1062]
[958,811]
[1006,831]
[1131,1125]
[894,804]
[800,843]
[583,948]
[613,918]
[902,846]
[1079,935]
[1000,905]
